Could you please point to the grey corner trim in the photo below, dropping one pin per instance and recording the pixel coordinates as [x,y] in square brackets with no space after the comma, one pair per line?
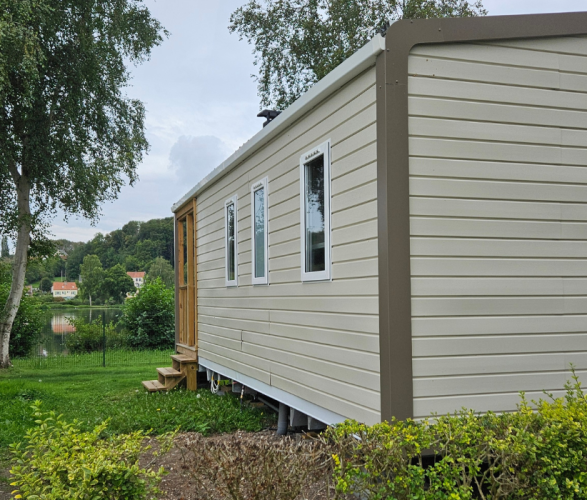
[317,412]
[345,72]
[395,315]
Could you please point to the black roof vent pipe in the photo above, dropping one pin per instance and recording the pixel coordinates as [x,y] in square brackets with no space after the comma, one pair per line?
[269,115]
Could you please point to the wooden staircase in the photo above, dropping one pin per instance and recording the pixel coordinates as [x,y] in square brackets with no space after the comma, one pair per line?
[184,372]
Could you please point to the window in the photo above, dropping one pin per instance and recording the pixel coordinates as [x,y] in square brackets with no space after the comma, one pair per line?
[315,213]
[230,234]
[184,228]
[259,232]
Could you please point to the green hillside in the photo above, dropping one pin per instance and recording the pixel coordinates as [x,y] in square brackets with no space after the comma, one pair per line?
[135,247]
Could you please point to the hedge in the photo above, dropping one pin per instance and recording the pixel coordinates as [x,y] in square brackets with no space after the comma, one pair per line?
[537,452]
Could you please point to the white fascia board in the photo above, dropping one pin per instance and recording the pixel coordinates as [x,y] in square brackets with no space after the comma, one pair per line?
[361,60]
[316,412]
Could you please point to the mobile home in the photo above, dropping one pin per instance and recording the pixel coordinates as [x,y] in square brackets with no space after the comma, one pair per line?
[410,236]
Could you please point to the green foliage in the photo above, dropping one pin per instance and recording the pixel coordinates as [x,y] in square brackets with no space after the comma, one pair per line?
[89,337]
[35,271]
[116,284]
[298,42]
[45,299]
[135,246]
[75,302]
[132,264]
[28,324]
[44,267]
[75,259]
[61,462]
[160,268]
[45,285]
[92,275]
[521,455]
[149,316]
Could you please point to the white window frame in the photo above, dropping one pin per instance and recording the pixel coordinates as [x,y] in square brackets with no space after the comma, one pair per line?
[326,275]
[263,183]
[231,201]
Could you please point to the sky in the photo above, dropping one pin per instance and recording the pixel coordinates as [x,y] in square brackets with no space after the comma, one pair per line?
[202,104]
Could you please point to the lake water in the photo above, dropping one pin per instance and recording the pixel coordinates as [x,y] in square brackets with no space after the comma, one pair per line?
[56,327]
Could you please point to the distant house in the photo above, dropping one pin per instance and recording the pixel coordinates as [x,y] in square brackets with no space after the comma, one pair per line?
[67,290]
[138,278]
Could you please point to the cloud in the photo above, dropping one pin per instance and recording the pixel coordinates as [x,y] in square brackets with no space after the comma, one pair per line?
[192,158]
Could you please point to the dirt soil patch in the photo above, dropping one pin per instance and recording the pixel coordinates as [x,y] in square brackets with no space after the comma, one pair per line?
[179,484]
[5,487]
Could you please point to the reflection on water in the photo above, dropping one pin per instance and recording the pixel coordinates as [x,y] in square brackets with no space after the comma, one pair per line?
[57,327]
[60,324]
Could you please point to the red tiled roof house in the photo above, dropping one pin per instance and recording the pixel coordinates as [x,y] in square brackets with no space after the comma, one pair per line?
[66,289]
[138,278]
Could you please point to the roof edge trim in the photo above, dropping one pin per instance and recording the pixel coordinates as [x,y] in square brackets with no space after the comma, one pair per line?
[357,63]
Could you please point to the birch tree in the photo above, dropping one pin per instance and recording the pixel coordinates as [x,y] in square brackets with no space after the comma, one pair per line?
[70,137]
[298,42]
[92,276]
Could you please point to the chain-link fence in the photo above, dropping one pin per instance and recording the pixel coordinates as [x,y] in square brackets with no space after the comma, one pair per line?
[98,343]
[108,357]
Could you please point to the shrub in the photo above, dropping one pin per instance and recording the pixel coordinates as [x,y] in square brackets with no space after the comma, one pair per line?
[46,284]
[60,462]
[523,455]
[58,299]
[27,327]
[149,316]
[89,337]
[256,469]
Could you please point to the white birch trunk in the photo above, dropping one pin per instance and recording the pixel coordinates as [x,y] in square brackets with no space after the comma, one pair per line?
[19,269]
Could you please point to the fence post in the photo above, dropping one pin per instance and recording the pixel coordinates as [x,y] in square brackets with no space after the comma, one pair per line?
[103,338]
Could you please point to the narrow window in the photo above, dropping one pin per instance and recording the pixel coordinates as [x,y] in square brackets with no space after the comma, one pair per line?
[315,213]
[259,232]
[230,218]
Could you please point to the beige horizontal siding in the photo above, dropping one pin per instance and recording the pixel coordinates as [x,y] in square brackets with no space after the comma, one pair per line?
[318,341]
[498,206]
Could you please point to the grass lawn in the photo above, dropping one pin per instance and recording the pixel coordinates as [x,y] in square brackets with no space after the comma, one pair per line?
[94,394]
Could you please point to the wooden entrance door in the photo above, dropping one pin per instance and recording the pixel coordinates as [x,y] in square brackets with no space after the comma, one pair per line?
[186,279]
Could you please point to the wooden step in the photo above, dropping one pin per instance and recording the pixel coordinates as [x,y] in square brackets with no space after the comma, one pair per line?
[153,385]
[169,372]
[170,377]
[182,358]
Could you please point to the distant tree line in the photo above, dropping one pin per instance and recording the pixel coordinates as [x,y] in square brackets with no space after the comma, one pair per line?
[138,246]
[135,246]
